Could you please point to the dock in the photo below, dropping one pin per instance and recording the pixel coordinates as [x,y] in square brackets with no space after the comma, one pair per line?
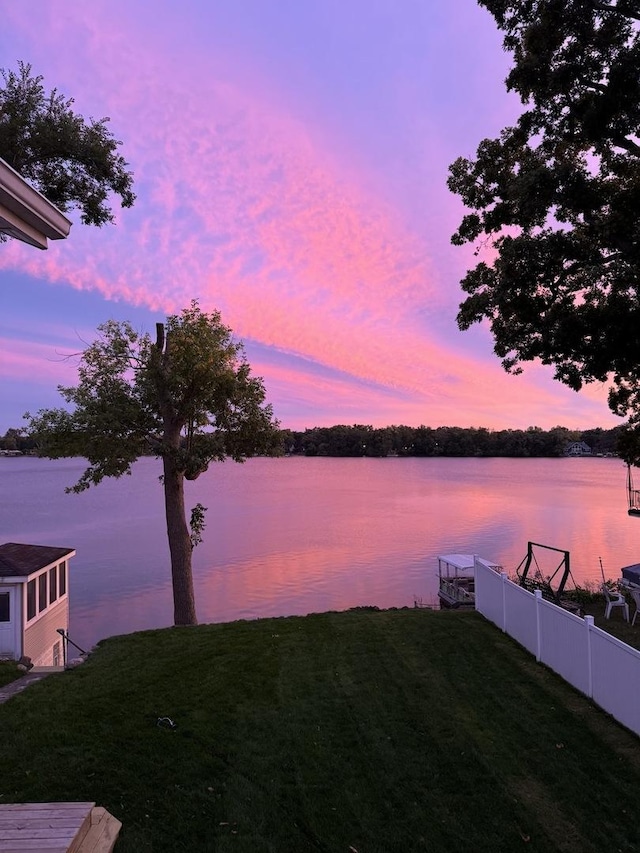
[57,828]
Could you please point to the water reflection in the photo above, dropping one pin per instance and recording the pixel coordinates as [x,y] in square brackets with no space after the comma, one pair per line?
[300,535]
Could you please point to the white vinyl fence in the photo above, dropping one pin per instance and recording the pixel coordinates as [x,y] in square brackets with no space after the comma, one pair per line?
[604,668]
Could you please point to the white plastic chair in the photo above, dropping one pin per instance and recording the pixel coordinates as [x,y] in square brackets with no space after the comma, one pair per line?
[615,599]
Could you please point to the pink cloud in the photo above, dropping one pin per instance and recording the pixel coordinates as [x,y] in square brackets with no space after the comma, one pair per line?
[28,360]
[489,398]
[234,197]
[250,211]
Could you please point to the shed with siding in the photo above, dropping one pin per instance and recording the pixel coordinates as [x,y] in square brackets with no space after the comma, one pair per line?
[34,602]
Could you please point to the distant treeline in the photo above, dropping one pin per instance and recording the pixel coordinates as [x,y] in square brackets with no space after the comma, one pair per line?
[361,440]
[13,439]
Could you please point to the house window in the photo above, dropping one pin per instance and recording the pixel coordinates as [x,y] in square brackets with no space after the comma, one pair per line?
[5,608]
[31,599]
[46,589]
[53,584]
[42,592]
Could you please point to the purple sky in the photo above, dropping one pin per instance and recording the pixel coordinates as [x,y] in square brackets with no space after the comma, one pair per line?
[290,162]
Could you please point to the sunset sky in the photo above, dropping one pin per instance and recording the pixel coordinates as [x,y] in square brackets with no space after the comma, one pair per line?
[290,162]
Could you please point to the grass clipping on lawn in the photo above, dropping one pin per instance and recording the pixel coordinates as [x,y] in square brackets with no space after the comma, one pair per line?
[360,731]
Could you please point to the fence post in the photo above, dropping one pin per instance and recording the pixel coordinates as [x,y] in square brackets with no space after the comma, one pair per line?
[504,577]
[588,622]
[538,604]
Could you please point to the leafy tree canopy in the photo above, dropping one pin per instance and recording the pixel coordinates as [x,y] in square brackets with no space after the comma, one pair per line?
[555,200]
[187,397]
[74,163]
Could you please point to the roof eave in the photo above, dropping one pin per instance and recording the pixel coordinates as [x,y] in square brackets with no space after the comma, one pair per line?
[26,214]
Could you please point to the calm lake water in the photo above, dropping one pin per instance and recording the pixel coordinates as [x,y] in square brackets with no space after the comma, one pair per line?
[297,535]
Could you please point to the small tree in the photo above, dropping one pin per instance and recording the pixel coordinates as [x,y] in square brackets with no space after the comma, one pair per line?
[74,163]
[188,398]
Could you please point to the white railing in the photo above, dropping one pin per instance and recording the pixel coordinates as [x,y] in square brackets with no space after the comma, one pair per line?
[604,668]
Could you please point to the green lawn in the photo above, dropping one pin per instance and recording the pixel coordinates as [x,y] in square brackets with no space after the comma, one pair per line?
[364,731]
[9,672]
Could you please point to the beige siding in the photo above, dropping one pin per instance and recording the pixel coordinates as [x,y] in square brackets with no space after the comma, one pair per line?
[41,635]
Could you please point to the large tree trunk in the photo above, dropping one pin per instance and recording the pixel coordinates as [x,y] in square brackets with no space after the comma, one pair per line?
[184,606]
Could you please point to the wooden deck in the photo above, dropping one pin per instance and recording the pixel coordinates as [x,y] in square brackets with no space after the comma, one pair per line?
[57,828]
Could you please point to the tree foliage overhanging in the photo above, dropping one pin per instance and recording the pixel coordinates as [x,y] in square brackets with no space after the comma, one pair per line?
[73,162]
[555,200]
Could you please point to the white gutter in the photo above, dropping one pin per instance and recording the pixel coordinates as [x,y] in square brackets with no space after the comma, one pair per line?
[26,214]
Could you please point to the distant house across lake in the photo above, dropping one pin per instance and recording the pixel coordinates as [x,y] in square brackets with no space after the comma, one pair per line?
[577,448]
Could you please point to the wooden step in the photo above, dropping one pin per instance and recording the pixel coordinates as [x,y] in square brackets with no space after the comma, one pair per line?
[102,834]
[45,827]
[57,828]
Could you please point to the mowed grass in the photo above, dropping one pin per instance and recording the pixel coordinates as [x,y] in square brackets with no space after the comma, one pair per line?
[363,731]
[9,672]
